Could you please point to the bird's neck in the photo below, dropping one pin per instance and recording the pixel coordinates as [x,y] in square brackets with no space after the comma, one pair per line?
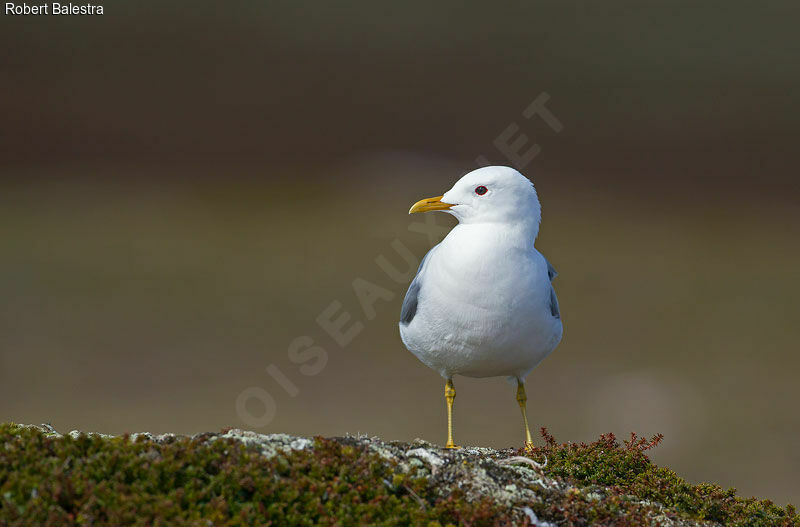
[512,235]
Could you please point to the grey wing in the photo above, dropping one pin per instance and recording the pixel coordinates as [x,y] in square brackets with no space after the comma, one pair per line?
[554,303]
[552,273]
[409,308]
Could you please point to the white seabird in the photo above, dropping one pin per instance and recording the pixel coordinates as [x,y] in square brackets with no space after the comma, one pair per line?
[482,303]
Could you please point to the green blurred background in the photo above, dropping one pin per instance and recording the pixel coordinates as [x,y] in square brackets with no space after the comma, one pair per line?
[187,185]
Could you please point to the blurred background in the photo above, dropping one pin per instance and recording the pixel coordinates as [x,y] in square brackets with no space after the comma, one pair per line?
[186,186]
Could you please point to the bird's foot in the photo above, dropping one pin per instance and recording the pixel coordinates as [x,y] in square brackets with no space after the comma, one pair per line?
[451,446]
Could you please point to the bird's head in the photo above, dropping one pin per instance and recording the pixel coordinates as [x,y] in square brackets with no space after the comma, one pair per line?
[493,194]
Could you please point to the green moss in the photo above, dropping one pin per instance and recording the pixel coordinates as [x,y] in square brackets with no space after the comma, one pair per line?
[624,470]
[99,481]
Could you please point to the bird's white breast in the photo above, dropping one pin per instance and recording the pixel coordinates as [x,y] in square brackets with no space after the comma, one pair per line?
[483,305]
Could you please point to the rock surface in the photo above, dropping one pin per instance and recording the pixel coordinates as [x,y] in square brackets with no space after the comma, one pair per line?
[513,481]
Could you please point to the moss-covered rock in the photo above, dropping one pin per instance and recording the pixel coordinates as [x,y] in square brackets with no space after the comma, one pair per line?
[243,478]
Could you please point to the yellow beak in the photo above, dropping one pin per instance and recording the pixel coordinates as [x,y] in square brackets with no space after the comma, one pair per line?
[428,204]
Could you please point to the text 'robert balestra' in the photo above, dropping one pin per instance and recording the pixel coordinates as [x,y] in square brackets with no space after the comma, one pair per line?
[53,9]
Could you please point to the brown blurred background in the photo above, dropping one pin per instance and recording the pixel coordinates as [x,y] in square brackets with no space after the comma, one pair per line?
[186,186]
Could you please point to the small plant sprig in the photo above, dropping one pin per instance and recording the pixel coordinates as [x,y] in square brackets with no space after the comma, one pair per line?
[640,443]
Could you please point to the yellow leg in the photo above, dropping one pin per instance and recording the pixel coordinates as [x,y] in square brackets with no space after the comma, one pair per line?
[450,396]
[522,399]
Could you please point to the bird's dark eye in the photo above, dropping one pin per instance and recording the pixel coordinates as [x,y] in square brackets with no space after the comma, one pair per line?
[481,190]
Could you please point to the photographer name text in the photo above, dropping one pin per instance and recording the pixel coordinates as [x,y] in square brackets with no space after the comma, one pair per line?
[52,9]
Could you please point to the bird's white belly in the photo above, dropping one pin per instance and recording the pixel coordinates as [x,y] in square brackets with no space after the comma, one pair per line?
[504,327]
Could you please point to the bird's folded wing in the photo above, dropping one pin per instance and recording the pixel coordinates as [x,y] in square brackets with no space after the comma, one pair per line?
[554,303]
[409,308]
[551,271]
